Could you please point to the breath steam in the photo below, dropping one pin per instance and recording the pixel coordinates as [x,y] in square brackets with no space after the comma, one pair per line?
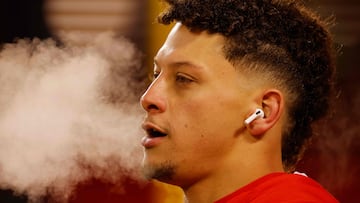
[69,113]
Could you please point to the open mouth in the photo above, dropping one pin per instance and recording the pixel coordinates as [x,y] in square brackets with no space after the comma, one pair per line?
[152,132]
[154,135]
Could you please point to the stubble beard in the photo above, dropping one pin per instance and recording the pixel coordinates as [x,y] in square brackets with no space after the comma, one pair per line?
[163,172]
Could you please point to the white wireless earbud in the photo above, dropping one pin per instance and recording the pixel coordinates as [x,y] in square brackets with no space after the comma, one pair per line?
[257,114]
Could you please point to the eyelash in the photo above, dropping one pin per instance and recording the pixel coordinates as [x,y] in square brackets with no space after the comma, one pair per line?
[178,78]
[182,79]
[155,75]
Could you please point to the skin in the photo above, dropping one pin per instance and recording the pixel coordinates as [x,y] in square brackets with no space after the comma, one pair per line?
[200,101]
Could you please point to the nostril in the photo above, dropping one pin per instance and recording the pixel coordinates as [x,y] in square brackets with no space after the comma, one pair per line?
[152,107]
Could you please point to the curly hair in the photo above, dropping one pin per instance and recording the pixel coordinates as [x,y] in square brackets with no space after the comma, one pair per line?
[280,37]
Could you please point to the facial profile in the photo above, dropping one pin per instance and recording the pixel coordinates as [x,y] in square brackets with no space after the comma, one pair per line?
[190,107]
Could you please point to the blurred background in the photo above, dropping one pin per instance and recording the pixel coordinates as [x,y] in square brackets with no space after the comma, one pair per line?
[334,157]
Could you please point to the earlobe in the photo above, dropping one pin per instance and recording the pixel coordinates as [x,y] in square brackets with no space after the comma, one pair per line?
[272,105]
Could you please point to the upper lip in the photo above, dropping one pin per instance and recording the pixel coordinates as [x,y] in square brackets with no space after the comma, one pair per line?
[153,130]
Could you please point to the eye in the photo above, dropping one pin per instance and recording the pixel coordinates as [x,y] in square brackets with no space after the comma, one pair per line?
[181,78]
[155,75]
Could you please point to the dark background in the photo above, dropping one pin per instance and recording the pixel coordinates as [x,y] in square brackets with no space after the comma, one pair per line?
[334,157]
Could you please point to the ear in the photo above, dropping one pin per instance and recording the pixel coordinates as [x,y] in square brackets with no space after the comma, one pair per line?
[272,102]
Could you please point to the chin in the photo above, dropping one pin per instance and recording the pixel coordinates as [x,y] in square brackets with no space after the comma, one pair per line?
[163,171]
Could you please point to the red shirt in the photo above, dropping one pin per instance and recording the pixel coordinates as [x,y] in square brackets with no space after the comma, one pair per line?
[280,187]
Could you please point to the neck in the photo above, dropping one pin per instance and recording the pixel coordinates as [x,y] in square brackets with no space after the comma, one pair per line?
[233,173]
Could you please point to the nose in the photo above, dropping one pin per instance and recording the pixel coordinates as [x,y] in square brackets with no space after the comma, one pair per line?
[153,100]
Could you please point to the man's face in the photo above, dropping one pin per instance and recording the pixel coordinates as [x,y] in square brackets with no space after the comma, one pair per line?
[195,108]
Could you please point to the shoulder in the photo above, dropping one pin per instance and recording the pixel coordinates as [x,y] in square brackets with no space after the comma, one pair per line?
[282,187]
[294,188]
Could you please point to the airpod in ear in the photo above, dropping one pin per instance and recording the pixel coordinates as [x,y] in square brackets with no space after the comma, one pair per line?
[257,114]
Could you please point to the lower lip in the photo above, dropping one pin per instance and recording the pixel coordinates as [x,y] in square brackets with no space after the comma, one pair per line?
[148,142]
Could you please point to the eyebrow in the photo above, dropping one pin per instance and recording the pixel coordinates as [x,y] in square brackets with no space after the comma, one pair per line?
[181,64]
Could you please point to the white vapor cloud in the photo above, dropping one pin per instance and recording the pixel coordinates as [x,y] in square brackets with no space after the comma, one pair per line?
[67,113]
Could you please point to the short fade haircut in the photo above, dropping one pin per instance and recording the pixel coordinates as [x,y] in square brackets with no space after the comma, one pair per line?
[277,37]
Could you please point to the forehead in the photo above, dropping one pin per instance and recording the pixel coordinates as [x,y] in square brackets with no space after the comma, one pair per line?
[184,45]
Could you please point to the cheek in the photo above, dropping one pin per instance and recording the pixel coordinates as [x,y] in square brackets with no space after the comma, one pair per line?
[202,127]
[215,116]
